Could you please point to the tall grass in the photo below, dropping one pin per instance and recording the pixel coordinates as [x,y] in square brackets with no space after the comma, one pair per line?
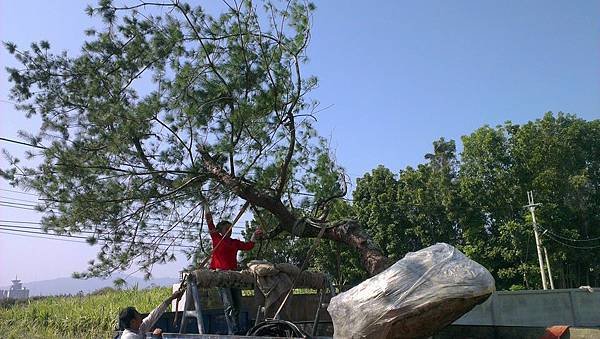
[90,316]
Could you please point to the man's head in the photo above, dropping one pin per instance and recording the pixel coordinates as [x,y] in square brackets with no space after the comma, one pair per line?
[130,318]
[224,227]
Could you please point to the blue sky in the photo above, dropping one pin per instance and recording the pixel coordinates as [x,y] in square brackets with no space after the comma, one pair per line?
[396,75]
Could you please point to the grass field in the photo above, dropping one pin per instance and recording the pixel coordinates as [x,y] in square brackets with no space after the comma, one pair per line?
[89,316]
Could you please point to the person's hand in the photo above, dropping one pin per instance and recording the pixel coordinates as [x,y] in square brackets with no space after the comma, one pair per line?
[157,332]
[258,234]
[177,294]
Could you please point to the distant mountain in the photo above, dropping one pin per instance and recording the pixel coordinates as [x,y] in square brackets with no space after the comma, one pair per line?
[73,286]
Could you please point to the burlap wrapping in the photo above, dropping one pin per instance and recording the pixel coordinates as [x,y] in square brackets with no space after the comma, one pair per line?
[206,278]
[308,279]
[245,279]
[271,282]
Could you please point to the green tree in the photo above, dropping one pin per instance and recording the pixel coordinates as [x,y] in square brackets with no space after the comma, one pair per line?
[476,202]
[556,157]
[415,209]
[158,112]
[494,199]
[376,205]
[428,196]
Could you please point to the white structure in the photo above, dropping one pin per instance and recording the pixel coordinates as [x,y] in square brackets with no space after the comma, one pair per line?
[16,291]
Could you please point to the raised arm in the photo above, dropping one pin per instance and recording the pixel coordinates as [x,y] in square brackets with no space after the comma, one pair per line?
[209,220]
[151,319]
[212,230]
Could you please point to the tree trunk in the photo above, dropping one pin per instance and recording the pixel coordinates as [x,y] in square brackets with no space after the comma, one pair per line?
[350,233]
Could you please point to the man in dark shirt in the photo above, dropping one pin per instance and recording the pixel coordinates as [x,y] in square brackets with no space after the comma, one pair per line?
[224,257]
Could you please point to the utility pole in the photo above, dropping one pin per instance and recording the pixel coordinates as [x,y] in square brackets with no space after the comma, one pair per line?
[549,271]
[538,242]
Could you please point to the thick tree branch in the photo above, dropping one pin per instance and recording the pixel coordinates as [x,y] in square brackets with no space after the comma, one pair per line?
[349,232]
[245,190]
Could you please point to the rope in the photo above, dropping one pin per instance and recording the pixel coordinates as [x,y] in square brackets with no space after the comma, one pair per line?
[298,228]
[200,235]
[308,255]
[262,223]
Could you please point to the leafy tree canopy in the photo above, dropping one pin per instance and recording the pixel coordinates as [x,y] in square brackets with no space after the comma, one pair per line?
[159,113]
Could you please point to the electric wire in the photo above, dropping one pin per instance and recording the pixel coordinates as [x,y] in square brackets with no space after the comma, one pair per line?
[21,143]
[16,228]
[20,192]
[565,238]
[572,246]
[33,206]
[77,232]
[17,199]
[18,207]
[40,237]
[85,238]
[156,226]
[16,203]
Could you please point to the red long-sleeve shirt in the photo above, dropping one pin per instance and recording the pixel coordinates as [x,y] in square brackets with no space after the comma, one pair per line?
[224,255]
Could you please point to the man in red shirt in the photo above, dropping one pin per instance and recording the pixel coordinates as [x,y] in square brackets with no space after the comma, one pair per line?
[224,257]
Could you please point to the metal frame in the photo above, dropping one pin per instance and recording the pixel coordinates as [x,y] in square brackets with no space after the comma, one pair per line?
[192,297]
[329,286]
[192,290]
[322,304]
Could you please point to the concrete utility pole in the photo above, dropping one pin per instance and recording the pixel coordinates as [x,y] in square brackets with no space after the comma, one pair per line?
[538,242]
[549,271]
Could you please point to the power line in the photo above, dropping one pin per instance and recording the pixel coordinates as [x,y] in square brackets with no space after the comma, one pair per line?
[572,246]
[35,228]
[568,239]
[22,143]
[157,226]
[42,233]
[40,237]
[17,199]
[18,227]
[23,208]
[17,203]
[54,237]
[15,191]
[80,237]
[22,222]
[30,207]
[80,231]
